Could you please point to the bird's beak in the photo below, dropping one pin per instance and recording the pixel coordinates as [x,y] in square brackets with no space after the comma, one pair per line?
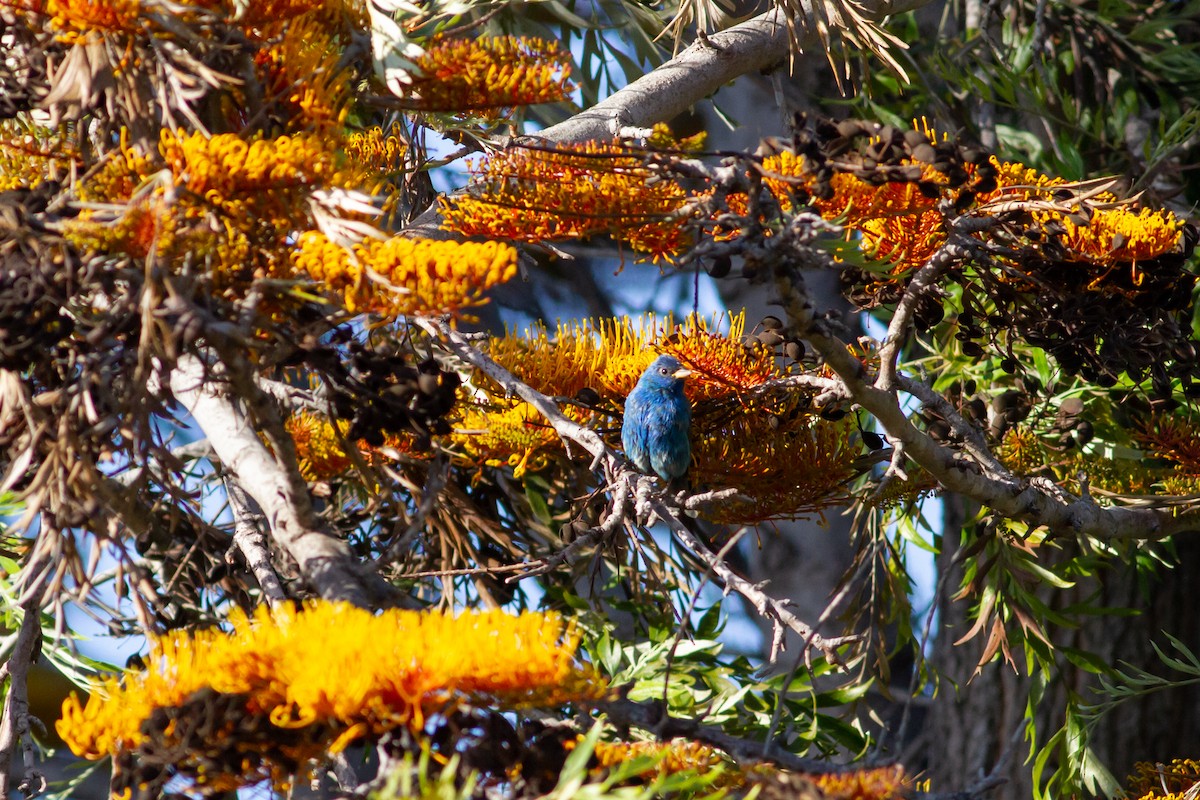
[682,372]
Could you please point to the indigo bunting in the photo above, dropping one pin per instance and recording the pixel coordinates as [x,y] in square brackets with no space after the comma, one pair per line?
[654,432]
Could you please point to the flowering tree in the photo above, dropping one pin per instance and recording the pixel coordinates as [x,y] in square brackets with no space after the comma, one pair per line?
[244,417]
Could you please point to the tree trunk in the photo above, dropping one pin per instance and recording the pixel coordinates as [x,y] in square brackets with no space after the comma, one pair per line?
[973,718]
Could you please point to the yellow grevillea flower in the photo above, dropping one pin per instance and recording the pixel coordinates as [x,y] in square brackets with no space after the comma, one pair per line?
[122,172]
[604,355]
[509,433]
[572,192]
[1175,780]
[299,72]
[226,167]
[406,276]
[144,227]
[376,150]
[1022,450]
[677,755]
[1116,235]
[608,356]
[389,670]
[465,75]
[28,158]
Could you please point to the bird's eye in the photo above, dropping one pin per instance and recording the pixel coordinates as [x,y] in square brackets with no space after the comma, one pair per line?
[663,370]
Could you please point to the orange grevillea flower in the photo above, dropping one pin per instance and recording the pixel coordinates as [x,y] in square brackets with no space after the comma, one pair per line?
[271,12]
[572,192]
[300,74]
[468,75]
[271,671]
[876,783]
[902,225]
[853,200]
[406,276]
[75,17]
[319,446]
[905,242]
[1172,436]
[783,460]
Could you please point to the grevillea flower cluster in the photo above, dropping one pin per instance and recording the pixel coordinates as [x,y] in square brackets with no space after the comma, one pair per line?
[389,670]
[226,168]
[301,77]
[75,20]
[487,74]
[406,276]
[676,756]
[747,431]
[1174,780]
[534,194]
[901,224]
[321,446]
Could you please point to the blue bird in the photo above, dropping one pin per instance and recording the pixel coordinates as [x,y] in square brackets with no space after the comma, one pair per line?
[654,432]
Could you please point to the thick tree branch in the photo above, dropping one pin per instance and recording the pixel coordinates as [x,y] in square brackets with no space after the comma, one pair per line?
[1027,501]
[755,45]
[325,561]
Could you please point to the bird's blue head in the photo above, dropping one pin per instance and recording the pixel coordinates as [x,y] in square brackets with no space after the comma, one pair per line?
[665,373]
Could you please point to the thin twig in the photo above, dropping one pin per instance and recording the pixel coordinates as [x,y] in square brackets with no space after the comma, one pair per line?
[766,605]
[14,724]
[249,538]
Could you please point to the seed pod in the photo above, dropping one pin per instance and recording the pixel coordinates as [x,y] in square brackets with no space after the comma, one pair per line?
[924,153]
[770,339]
[850,128]
[719,267]
[771,323]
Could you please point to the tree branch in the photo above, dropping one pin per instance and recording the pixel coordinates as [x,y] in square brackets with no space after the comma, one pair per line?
[248,537]
[700,70]
[325,561]
[768,607]
[1011,497]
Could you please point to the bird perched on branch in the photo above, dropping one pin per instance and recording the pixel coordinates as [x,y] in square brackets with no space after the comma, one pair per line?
[654,432]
